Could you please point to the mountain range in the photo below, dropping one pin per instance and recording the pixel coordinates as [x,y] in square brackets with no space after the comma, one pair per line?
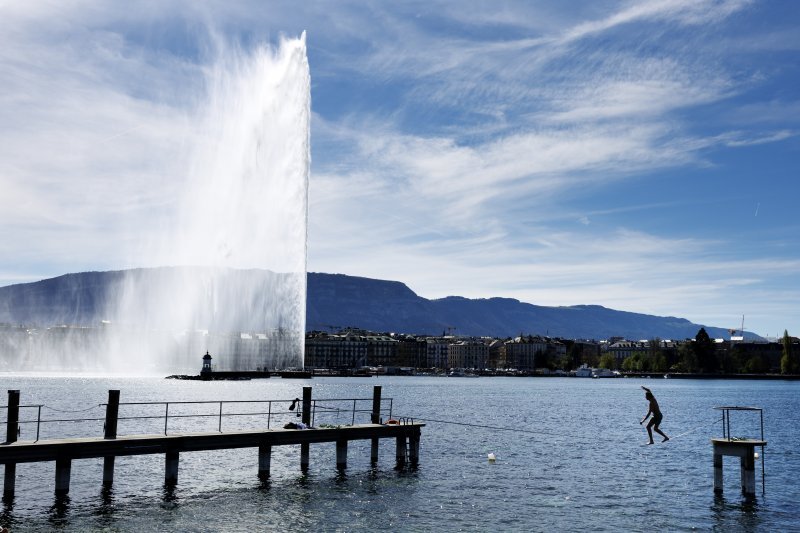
[336,301]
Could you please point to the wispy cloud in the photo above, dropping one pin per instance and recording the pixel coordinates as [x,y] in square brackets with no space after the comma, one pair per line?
[451,141]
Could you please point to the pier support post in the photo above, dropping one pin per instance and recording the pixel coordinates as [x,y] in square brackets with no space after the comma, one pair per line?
[63,470]
[12,425]
[9,479]
[748,467]
[376,404]
[171,467]
[341,454]
[717,472]
[373,456]
[264,459]
[112,415]
[108,470]
[400,452]
[413,449]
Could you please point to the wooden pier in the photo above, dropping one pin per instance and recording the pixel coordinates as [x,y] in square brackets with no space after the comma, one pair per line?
[64,451]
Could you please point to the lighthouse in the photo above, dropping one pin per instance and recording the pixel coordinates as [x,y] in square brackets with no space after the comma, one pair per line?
[205,372]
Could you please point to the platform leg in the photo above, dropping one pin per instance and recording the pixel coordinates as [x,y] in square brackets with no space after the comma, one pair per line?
[108,470]
[9,479]
[717,472]
[171,462]
[373,455]
[341,454]
[413,445]
[400,452]
[264,460]
[748,465]
[305,453]
[63,470]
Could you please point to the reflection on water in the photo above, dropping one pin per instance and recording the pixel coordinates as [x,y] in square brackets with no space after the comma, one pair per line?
[740,514]
[57,517]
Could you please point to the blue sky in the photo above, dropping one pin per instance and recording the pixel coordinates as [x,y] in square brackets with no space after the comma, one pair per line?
[637,155]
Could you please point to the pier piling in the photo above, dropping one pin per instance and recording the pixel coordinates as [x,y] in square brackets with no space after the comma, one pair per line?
[171,461]
[63,471]
[264,460]
[413,449]
[400,452]
[341,454]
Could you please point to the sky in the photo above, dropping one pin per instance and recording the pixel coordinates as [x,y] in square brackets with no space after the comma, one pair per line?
[640,155]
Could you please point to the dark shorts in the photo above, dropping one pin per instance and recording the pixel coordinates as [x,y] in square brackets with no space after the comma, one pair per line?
[657,418]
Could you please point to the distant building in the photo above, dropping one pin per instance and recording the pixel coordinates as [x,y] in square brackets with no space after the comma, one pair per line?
[521,351]
[437,350]
[622,349]
[346,350]
[470,353]
[381,350]
[411,351]
[497,354]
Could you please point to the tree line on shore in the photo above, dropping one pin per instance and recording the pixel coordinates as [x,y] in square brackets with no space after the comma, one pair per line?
[703,355]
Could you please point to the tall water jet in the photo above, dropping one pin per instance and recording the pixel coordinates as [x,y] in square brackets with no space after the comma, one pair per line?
[232,261]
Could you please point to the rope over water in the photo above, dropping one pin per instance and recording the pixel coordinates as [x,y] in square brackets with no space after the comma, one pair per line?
[540,432]
[502,428]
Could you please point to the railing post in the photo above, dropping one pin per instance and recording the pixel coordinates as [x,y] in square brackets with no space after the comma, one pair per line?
[38,421]
[112,414]
[306,406]
[306,419]
[376,404]
[112,417]
[12,423]
[12,420]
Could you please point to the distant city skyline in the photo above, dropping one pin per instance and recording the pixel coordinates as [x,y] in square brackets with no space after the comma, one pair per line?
[642,156]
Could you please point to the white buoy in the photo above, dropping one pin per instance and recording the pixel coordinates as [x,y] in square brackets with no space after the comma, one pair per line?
[492,457]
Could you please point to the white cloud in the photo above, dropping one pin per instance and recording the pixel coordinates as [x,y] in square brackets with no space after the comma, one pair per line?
[467,120]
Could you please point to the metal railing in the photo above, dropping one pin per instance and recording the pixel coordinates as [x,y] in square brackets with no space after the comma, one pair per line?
[352,409]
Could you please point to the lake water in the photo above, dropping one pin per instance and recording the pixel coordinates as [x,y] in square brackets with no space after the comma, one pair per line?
[571,456]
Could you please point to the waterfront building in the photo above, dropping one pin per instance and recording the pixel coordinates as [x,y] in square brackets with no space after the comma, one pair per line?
[345,350]
[381,350]
[437,349]
[521,352]
[468,353]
